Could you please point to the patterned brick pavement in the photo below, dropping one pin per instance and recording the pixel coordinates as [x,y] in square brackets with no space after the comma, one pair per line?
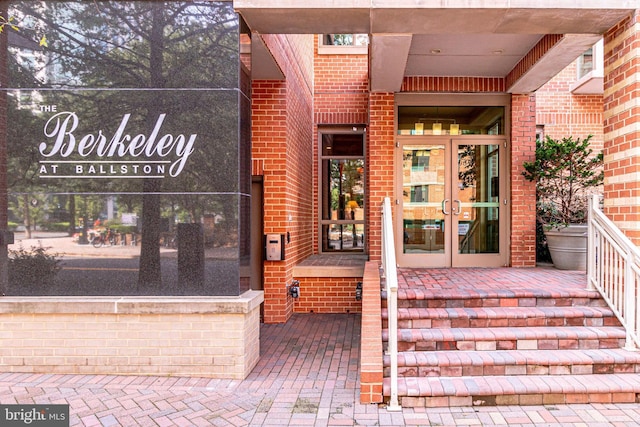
[307,376]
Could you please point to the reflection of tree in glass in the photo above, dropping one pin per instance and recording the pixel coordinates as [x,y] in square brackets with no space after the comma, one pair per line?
[147,47]
[467,165]
[346,182]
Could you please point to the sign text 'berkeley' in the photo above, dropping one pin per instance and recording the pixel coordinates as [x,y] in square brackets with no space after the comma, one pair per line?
[121,155]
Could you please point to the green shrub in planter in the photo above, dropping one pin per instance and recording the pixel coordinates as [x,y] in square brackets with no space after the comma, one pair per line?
[566,171]
[34,266]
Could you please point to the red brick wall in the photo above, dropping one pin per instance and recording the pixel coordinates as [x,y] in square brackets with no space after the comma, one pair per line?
[566,114]
[533,56]
[341,97]
[523,192]
[341,88]
[452,84]
[328,295]
[380,158]
[371,370]
[622,125]
[282,140]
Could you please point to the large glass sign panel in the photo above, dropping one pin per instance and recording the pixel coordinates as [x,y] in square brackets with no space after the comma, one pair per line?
[128,145]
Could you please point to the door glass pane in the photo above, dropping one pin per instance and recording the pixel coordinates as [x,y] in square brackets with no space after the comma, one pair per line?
[423,174]
[343,237]
[344,198]
[342,220]
[477,202]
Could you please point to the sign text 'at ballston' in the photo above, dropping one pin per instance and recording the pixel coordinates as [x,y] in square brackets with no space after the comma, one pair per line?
[94,155]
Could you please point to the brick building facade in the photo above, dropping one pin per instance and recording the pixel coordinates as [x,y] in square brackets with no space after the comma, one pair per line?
[495,80]
[342,97]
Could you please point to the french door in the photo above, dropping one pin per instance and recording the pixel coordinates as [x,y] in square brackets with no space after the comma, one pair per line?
[452,200]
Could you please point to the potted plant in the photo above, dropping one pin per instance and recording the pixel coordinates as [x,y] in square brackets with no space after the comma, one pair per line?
[566,172]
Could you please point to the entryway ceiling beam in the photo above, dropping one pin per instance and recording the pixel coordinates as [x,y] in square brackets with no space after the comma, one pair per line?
[263,64]
[389,54]
[553,61]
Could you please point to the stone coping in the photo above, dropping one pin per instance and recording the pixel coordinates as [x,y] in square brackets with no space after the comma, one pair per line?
[242,304]
[327,271]
[331,266]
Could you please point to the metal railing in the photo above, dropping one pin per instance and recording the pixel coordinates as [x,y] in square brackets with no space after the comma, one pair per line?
[613,269]
[390,274]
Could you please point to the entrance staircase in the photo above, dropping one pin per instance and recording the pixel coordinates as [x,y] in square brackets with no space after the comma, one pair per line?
[471,337]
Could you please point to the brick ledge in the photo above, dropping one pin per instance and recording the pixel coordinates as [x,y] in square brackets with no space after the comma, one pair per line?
[328,271]
[242,304]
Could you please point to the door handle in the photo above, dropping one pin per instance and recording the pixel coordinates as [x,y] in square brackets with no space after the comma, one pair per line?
[457,211]
[444,207]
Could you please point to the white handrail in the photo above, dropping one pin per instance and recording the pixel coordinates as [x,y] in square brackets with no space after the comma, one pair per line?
[613,269]
[391,282]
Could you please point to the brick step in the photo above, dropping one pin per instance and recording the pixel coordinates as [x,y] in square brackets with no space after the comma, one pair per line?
[528,338]
[515,362]
[483,317]
[524,297]
[516,390]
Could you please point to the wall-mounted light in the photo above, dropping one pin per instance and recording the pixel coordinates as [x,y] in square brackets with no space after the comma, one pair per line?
[294,289]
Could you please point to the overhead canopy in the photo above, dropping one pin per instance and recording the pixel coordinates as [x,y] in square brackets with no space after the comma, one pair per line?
[460,38]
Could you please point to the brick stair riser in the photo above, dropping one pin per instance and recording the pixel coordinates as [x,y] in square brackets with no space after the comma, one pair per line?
[478,391]
[511,370]
[503,322]
[499,302]
[535,399]
[525,344]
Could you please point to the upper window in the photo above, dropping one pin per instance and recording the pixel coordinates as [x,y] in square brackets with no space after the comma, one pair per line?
[343,44]
[590,71]
[345,39]
[585,63]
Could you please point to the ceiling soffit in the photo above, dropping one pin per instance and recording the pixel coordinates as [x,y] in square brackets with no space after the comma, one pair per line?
[483,41]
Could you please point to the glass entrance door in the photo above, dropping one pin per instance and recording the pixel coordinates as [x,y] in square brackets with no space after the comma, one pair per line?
[452,211]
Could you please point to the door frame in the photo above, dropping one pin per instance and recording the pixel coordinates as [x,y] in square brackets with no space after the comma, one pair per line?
[441,260]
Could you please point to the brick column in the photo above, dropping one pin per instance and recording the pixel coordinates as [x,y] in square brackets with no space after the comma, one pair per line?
[268,113]
[523,192]
[622,125]
[380,157]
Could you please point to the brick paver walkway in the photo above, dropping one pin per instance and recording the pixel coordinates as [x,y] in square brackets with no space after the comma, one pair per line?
[307,376]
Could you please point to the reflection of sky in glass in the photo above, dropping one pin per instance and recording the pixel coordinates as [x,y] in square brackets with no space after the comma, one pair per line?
[124,44]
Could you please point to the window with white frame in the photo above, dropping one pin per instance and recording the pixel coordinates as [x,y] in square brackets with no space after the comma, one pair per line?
[343,43]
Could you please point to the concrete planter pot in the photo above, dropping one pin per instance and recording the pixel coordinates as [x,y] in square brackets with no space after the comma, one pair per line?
[568,247]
